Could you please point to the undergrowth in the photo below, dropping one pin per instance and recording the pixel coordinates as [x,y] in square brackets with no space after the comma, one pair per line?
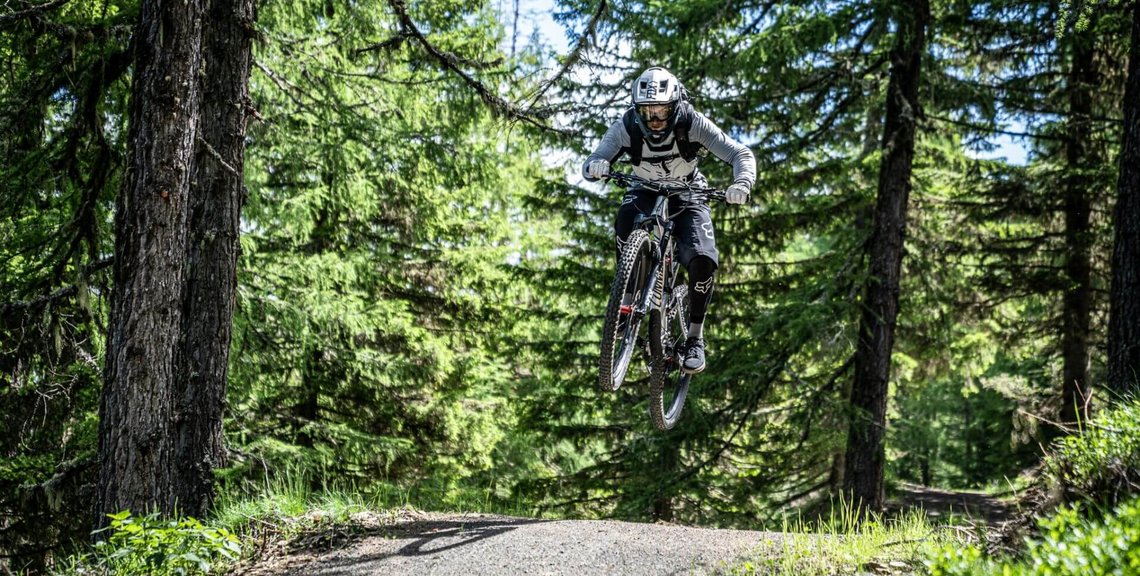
[244,522]
[1090,523]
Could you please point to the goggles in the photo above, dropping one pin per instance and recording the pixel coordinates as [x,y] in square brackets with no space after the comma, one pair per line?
[655,112]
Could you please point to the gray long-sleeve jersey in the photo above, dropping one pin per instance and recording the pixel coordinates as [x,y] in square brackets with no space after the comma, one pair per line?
[664,161]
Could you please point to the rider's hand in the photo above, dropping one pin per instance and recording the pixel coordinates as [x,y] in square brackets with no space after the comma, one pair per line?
[736,194]
[598,169]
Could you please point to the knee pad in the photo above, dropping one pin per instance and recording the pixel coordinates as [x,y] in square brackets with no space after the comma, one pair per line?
[701,272]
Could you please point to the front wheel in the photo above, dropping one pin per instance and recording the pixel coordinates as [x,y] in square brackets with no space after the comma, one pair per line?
[620,330]
[668,384]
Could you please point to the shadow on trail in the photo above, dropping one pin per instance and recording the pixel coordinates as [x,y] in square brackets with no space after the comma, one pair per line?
[941,504]
[427,538]
[430,533]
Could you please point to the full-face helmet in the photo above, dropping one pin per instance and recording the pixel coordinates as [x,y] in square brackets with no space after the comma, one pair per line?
[656,97]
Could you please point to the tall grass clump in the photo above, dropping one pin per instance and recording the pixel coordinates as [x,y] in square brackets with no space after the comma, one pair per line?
[844,541]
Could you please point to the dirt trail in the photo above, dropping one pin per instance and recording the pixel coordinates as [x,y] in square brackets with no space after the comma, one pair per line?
[411,543]
[465,545]
[940,504]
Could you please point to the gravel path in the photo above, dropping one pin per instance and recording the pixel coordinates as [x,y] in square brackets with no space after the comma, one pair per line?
[444,545]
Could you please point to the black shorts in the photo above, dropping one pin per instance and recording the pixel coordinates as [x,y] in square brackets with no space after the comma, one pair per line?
[692,228]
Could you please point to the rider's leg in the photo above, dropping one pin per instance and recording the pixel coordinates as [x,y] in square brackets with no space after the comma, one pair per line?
[702,273]
[696,244]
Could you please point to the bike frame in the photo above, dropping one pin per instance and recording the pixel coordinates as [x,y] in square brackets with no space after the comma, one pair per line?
[654,222]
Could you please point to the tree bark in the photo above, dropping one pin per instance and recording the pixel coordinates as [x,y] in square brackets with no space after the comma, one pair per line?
[863,477]
[1124,307]
[668,466]
[1077,300]
[217,195]
[135,452]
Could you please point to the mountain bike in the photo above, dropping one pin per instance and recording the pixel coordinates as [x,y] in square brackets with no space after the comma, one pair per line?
[644,286]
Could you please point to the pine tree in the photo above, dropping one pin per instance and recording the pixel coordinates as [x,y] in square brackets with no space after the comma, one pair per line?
[136,416]
[866,453]
[62,99]
[1124,317]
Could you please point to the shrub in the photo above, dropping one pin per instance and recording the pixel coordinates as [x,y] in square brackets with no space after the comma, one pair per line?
[1101,464]
[156,546]
[1070,544]
[1087,473]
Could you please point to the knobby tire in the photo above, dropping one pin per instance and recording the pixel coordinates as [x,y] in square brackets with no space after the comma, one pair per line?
[619,339]
[668,384]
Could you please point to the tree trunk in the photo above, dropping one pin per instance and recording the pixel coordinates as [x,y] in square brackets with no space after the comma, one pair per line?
[215,209]
[1124,315]
[135,424]
[1077,301]
[668,466]
[863,477]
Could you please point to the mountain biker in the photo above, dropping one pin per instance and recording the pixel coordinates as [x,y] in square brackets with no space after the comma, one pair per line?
[662,133]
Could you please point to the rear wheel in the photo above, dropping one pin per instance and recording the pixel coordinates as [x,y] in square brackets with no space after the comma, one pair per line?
[668,385]
[620,332]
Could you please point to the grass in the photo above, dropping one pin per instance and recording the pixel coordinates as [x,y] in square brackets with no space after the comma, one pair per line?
[840,544]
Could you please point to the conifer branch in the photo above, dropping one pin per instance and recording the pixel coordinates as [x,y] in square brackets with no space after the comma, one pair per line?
[391,43]
[574,55]
[32,11]
[992,130]
[64,292]
[454,63]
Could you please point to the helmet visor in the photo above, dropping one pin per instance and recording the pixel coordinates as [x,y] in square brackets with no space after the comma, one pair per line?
[656,112]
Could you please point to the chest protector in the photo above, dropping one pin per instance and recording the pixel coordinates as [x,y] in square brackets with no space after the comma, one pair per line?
[684,121]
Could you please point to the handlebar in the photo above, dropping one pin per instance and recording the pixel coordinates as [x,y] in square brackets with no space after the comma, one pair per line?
[669,187]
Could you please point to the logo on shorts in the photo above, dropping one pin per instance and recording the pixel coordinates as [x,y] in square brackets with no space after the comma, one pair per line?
[628,199]
[620,243]
[703,287]
[707,227]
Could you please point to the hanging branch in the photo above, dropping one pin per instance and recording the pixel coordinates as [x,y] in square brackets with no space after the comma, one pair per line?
[391,43]
[28,12]
[454,63]
[575,54]
[68,291]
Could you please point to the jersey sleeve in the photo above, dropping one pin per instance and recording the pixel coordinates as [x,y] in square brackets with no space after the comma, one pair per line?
[720,145]
[610,148]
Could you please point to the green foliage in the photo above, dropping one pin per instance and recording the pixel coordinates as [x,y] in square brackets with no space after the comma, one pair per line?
[1096,530]
[153,545]
[377,311]
[1071,544]
[62,101]
[1101,465]
[962,434]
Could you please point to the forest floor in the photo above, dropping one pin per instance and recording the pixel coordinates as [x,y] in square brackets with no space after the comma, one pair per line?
[939,504]
[409,542]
